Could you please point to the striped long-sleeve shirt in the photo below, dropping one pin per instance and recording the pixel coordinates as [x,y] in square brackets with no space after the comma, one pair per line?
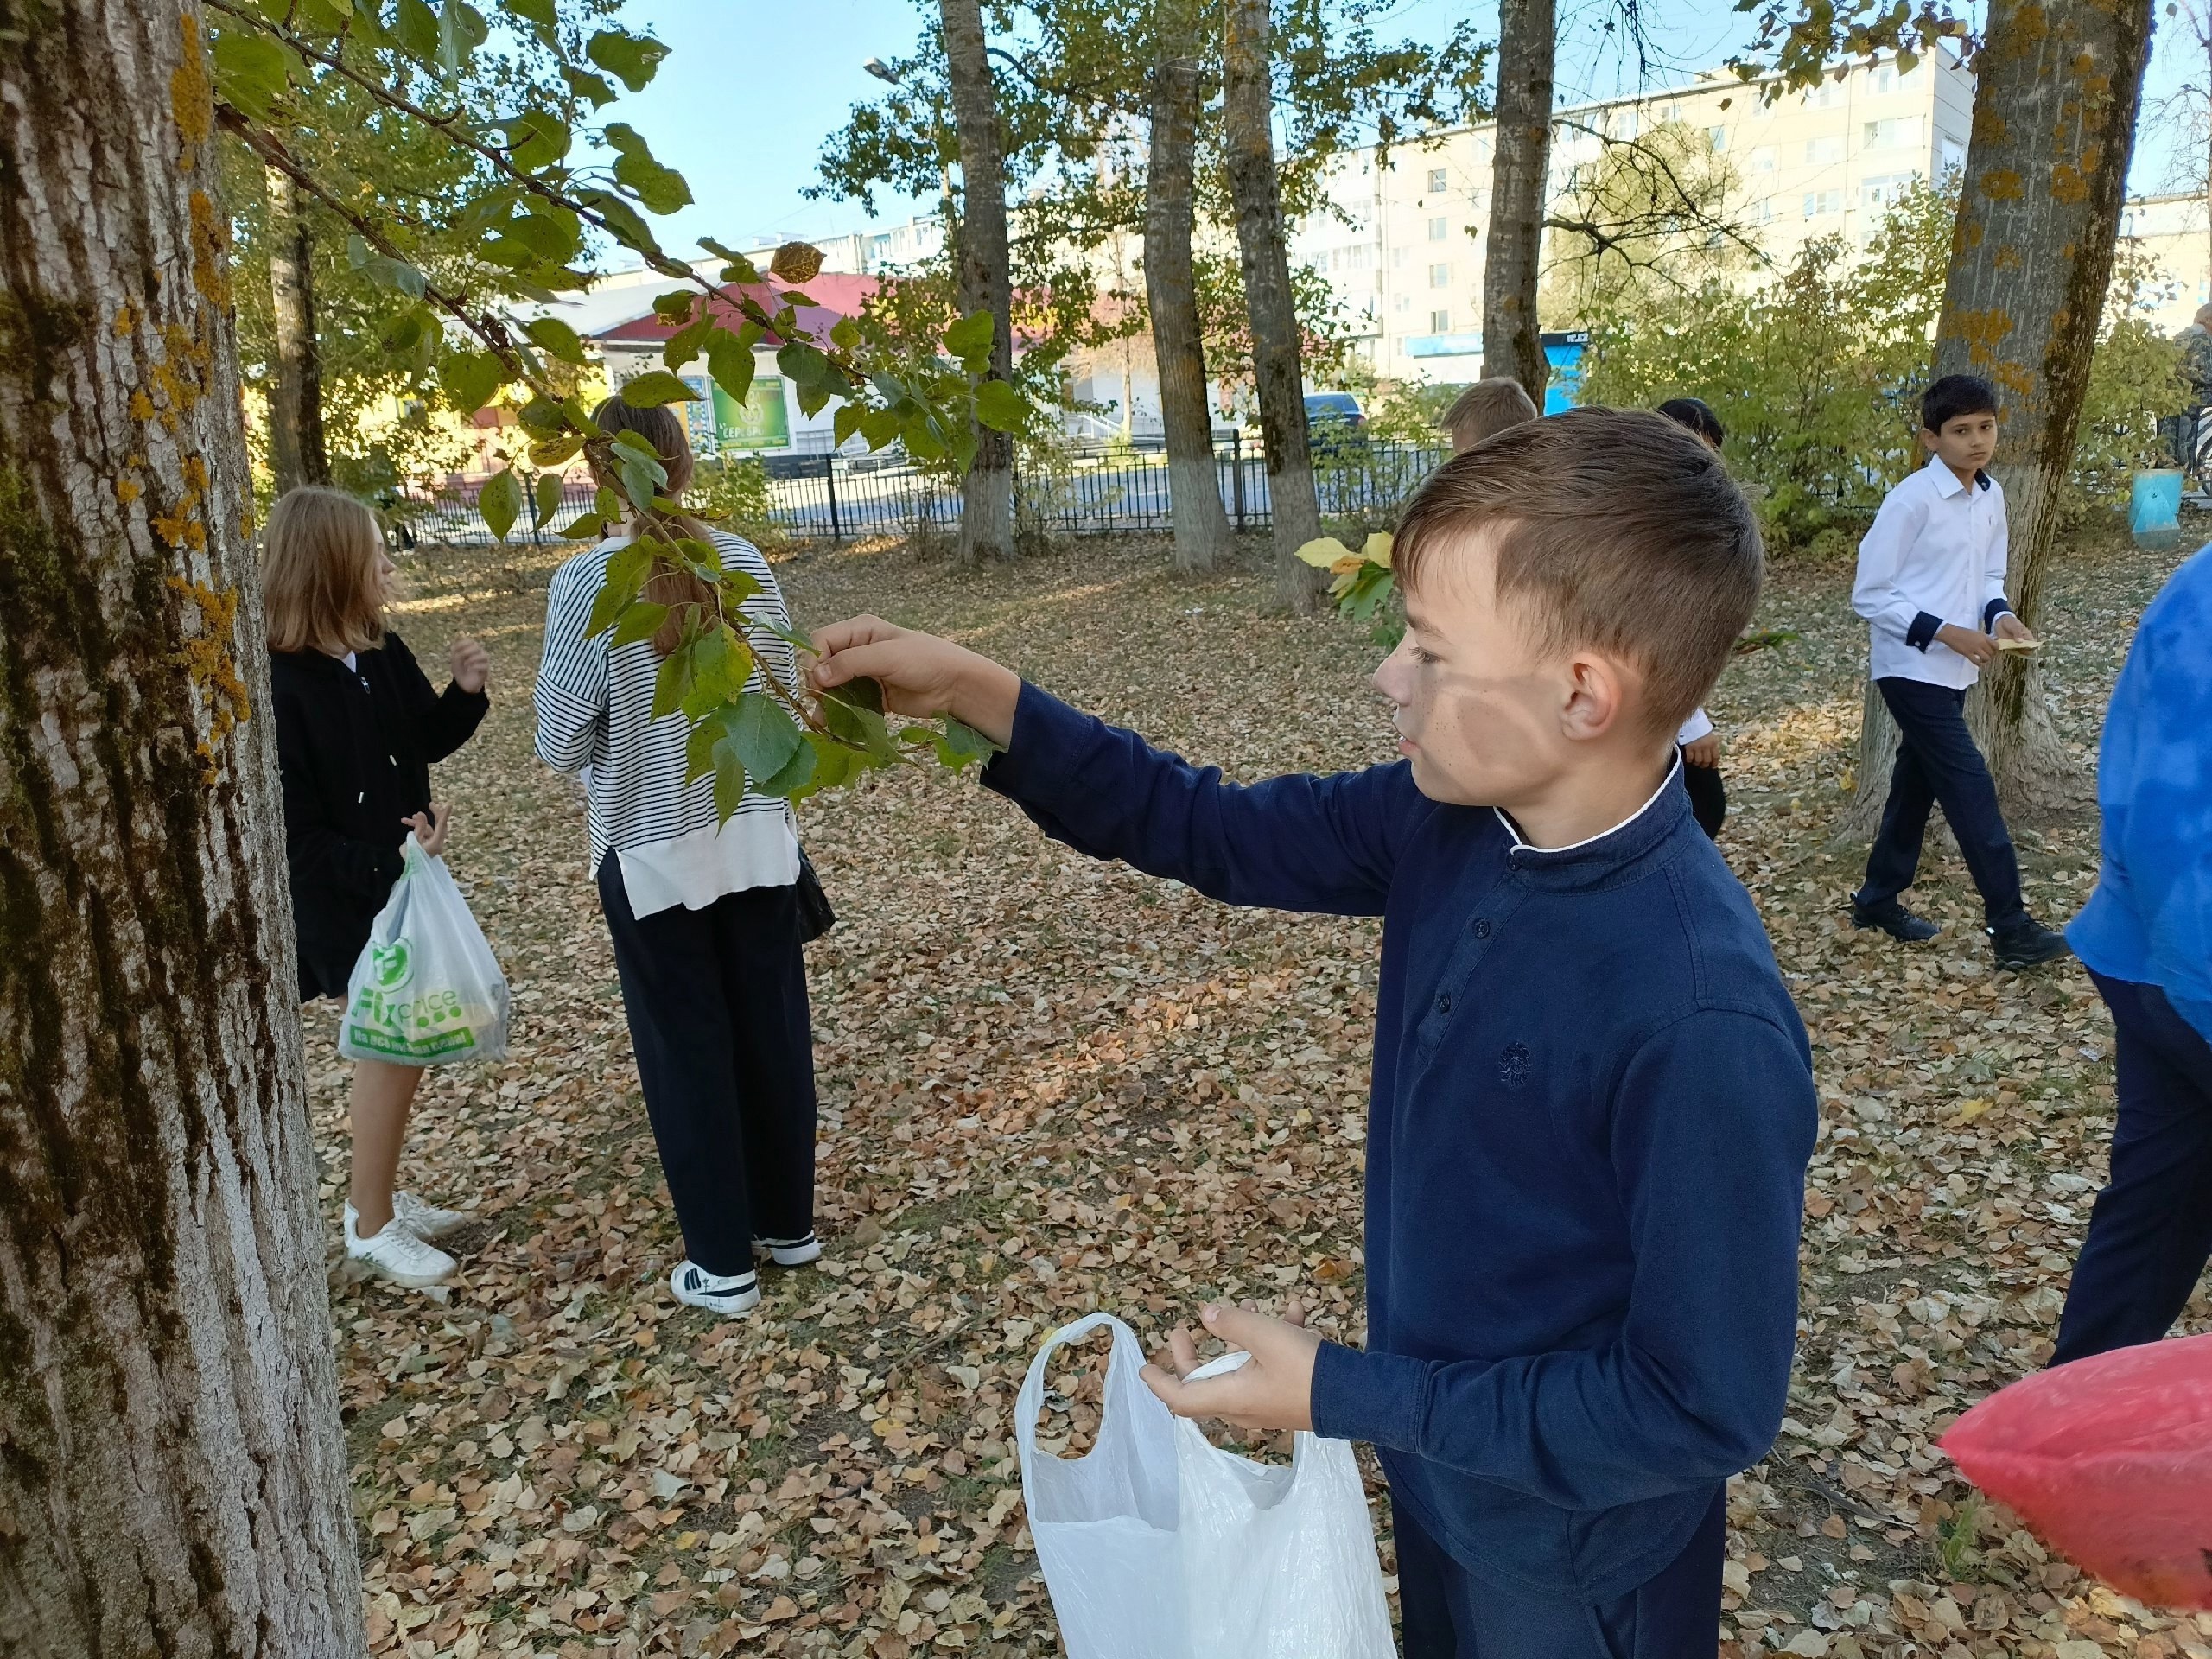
[594,715]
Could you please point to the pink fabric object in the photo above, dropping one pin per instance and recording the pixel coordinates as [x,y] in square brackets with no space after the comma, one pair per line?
[2110,1461]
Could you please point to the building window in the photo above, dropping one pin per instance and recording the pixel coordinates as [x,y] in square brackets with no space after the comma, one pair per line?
[1819,203]
[1716,139]
[1440,322]
[1402,304]
[1952,156]
[1823,152]
[1440,275]
[1897,132]
[1885,191]
[1762,159]
[1822,97]
[1436,180]
[1438,229]
[1762,211]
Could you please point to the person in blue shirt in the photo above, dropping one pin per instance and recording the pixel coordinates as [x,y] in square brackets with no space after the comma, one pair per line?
[2146,936]
[1592,1099]
[1931,587]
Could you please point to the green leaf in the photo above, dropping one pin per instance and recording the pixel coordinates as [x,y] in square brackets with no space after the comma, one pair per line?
[730,361]
[999,407]
[556,338]
[541,15]
[765,735]
[631,59]
[583,525]
[960,743]
[845,424]
[546,499]
[415,28]
[537,138]
[854,713]
[652,388]
[585,85]
[251,71]
[641,622]
[662,190]
[550,453]
[461,30]
[470,380]
[879,426]
[794,775]
[621,220]
[553,234]
[737,587]
[673,685]
[833,763]
[625,574]
[729,783]
[970,340]
[501,502]
[542,418]
[845,334]
[683,344]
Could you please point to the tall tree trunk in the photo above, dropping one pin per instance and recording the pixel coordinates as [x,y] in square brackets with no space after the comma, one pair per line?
[296,445]
[172,1477]
[2056,88]
[1528,43]
[987,504]
[1201,524]
[1248,121]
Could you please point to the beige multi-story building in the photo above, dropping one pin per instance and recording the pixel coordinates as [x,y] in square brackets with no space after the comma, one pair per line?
[1403,247]
[2174,232]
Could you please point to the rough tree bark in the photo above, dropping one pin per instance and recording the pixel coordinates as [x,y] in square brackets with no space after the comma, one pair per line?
[2056,89]
[297,451]
[172,1477]
[1200,523]
[1528,43]
[987,503]
[1248,122]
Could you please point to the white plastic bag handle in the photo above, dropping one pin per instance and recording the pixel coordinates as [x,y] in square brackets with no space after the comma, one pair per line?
[1126,1353]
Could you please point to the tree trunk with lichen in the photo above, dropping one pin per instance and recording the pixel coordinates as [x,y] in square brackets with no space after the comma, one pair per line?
[984,280]
[1201,526]
[1528,45]
[1248,123]
[172,1475]
[296,451]
[2056,88]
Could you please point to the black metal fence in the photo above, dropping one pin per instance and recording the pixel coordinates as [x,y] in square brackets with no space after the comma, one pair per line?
[1073,489]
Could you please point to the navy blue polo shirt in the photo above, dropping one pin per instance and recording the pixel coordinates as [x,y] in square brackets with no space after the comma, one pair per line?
[1591,1110]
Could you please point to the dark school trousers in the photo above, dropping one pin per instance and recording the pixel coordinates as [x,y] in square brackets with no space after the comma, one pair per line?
[1446,1613]
[1708,797]
[716,1000]
[1937,761]
[2151,1233]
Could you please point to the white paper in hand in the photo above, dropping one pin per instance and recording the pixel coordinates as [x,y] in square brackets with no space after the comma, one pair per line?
[1159,1544]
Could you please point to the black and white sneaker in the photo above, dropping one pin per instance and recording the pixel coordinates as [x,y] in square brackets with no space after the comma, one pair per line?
[692,1284]
[792,1252]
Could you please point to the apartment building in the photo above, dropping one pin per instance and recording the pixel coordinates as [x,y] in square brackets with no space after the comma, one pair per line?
[1403,249]
[2174,232]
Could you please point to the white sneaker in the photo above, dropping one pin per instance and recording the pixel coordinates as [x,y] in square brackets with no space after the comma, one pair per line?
[427,1221]
[792,1252]
[394,1253]
[693,1284]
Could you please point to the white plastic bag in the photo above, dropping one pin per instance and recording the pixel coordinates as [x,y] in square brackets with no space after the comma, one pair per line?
[1156,1544]
[427,990]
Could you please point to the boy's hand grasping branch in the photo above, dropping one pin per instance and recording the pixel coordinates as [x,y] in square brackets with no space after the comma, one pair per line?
[1273,1389]
[921,675]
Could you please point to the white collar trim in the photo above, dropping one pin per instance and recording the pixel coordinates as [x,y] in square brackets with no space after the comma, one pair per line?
[1521,844]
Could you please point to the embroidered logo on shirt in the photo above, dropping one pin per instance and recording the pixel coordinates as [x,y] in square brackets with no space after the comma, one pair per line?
[1513,1066]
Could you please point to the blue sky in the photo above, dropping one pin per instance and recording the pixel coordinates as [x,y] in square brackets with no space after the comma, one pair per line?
[751,87]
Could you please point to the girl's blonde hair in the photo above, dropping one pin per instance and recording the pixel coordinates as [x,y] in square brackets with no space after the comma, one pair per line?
[319,573]
[669,583]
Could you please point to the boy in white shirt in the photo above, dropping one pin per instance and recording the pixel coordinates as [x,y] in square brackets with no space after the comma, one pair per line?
[1931,587]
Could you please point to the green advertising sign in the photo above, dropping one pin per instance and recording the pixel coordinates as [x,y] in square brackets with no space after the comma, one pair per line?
[761,421]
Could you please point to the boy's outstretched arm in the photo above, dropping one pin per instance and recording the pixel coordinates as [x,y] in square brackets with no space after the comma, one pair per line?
[1299,843]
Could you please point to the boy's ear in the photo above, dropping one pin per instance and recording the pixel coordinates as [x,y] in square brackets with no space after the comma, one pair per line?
[1928,440]
[1599,692]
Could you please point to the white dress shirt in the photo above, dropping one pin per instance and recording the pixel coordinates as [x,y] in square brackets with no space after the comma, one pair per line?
[1935,555]
[1695,727]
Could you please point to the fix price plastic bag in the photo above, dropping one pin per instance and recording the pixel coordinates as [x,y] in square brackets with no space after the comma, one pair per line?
[427,990]
[2110,1459]
[1156,1544]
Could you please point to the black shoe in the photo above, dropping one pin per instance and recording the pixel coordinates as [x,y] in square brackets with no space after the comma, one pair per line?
[2026,942]
[1894,920]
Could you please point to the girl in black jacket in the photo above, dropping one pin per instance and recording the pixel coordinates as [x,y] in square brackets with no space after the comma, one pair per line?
[357,728]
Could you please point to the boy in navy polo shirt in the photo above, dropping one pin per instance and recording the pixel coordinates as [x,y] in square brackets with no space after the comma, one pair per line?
[1592,1099]
[1931,587]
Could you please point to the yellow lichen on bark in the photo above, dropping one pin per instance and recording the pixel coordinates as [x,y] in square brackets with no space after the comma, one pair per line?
[210,237]
[192,99]
[206,660]
[2002,184]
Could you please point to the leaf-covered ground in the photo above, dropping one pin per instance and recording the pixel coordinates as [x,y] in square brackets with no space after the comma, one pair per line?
[1050,1086]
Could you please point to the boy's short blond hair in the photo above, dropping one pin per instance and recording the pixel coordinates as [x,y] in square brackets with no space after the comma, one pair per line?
[1614,529]
[1485,408]
[319,573]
